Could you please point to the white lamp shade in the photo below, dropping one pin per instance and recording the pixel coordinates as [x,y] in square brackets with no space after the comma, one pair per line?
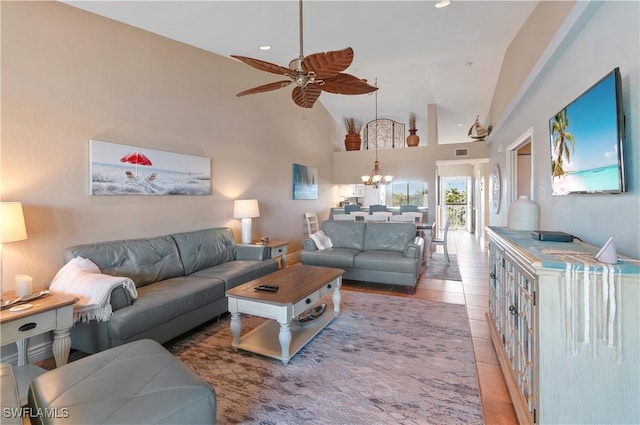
[246,208]
[12,226]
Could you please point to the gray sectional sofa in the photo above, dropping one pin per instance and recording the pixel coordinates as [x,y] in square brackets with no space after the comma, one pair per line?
[374,252]
[180,278]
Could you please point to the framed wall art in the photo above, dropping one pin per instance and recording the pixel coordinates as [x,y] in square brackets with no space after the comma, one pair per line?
[305,182]
[128,170]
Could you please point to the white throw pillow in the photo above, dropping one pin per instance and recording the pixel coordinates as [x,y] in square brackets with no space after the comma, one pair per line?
[322,241]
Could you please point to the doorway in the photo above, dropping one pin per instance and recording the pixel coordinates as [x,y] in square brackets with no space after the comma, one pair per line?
[454,202]
[521,167]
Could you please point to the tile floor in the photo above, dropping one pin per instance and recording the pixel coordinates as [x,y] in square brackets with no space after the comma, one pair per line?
[473,292]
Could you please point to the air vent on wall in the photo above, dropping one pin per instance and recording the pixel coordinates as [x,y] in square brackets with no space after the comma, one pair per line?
[462,152]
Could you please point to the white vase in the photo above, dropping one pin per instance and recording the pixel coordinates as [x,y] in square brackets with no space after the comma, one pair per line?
[524,214]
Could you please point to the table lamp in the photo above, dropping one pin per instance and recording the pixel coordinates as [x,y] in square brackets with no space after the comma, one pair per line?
[245,209]
[12,228]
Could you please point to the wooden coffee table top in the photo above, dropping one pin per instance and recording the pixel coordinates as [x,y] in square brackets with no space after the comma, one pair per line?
[295,283]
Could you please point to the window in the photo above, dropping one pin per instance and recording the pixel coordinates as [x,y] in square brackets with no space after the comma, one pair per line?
[409,193]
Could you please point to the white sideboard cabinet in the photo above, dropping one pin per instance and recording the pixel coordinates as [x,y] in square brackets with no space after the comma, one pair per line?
[566,329]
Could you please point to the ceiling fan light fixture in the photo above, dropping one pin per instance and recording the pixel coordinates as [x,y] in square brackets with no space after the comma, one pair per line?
[296,65]
[311,75]
[377,178]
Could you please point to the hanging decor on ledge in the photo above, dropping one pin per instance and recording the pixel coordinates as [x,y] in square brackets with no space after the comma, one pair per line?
[376,178]
[352,140]
[413,139]
[478,132]
[390,134]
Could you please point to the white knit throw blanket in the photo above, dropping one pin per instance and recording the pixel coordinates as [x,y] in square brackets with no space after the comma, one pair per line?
[592,297]
[82,278]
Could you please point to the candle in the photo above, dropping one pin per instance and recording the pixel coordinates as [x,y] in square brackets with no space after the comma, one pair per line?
[23,285]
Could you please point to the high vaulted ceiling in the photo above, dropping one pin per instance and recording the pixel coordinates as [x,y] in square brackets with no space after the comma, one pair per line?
[420,55]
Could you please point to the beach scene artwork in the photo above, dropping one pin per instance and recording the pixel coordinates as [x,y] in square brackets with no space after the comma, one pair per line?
[305,182]
[584,143]
[117,169]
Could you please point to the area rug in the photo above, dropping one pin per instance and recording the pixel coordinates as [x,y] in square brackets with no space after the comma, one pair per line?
[438,268]
[384,360]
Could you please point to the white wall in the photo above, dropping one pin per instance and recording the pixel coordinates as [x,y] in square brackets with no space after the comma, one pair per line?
[596,41]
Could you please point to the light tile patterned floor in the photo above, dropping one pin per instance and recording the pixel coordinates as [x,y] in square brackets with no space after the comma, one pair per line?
[473,292]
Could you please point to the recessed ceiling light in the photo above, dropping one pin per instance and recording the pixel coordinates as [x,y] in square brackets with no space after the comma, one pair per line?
[265,47]
[459,124]
[443,3]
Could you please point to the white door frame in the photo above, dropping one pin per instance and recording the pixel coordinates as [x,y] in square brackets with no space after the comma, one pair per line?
[512,165]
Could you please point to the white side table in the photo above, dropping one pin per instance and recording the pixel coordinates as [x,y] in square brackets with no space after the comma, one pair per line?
[277,249]
[53,312]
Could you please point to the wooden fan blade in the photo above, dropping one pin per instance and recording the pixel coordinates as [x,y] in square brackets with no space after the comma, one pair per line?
[346,84]
[267,87]
[328,64]
[266,66]
[306,97]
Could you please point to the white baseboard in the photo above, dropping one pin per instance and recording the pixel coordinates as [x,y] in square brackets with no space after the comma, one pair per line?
[35,353]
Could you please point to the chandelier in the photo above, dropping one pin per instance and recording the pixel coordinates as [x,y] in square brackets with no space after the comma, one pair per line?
[376,178]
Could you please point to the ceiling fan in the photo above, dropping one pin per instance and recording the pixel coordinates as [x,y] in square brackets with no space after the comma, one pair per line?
[311,75]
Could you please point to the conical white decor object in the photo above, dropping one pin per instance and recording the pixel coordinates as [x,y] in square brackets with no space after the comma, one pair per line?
[607,253]
[524,214]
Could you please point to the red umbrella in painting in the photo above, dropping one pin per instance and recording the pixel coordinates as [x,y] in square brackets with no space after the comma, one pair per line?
[137,158]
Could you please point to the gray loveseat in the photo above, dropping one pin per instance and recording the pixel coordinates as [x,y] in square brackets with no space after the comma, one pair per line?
[180,278]
[374,252]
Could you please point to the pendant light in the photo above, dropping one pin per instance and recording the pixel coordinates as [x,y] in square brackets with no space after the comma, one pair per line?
[376,178]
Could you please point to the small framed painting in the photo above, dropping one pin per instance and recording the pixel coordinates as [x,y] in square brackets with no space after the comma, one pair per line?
[128,170]
[305,182]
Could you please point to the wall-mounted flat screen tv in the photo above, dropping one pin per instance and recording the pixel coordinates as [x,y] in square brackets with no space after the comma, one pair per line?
[587,137]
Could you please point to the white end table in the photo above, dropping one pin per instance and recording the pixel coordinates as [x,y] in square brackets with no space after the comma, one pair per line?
[53,312]
[277,249]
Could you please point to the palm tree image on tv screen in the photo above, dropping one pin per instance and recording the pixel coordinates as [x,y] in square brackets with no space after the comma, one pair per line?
[586,146]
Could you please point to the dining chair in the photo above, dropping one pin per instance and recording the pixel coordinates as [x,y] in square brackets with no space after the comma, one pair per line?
[376,217]
[348,209]
[417,216]
[311,219]
[360,215]
[437,241]
[377,208]
[386,214]
[344,217]
[402,218]
[412,208]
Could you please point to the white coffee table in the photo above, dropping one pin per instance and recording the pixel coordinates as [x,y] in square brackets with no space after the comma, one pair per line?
[300,288]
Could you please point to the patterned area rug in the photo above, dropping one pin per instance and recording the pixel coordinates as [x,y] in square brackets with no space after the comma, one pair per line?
[384,360]
[438,268]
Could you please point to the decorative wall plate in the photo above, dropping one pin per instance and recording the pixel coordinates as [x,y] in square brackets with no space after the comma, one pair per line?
[496,188]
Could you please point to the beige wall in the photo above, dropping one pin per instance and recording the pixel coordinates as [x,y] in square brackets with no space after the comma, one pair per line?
[69,76]
[524,52]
